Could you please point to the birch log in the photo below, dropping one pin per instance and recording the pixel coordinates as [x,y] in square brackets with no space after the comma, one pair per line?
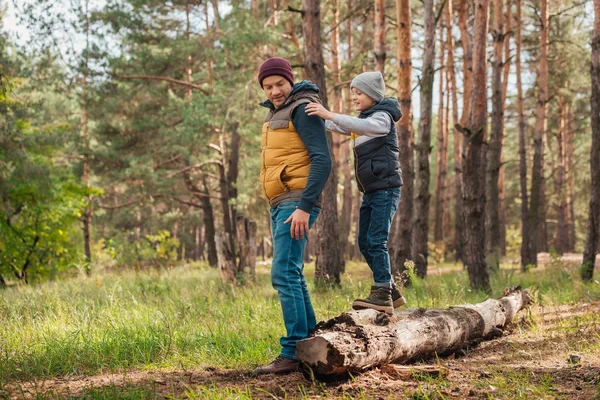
[358,340]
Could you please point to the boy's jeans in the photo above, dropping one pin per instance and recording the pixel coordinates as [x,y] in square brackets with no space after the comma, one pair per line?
[376,214]
[287,277]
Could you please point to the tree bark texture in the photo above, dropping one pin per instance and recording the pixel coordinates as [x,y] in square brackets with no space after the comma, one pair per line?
[465,38]
[473,168]
[358,340]
[494,152]
[423,147]
[380,31]
[528,257]
[246,237]
[442,143]
[330,262]
[403,239]
[593,232]
[537,213]
[561,242]
[227,267]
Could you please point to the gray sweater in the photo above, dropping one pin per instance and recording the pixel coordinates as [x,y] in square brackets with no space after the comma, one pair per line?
[377,125]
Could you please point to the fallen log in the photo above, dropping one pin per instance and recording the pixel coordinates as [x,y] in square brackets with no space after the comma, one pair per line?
[358,340]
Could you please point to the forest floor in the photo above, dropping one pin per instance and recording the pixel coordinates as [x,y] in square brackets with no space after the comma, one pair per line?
[549,352]
[536,358]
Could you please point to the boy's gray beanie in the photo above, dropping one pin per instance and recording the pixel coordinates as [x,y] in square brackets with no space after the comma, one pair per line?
[371,84]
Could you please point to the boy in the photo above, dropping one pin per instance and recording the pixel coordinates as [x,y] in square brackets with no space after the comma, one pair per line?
[379,178]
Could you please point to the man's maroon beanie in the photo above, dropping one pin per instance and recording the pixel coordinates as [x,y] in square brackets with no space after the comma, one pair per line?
[276,66]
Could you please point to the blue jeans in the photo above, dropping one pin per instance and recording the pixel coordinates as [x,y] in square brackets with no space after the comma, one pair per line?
[287,277]
[376,214]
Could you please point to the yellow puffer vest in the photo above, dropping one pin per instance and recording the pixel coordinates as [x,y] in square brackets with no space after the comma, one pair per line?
[285,162]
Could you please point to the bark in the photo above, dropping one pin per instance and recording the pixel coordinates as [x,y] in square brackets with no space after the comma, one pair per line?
[329,263]
[593,232]
[421,213]
[571,183]
[474,173]
[440,180]
[233,167]
[246,235]
[562,233]
[87,212]
[494,152]
[465,38]
[528,257]
[462,10]
[207,216]
[379,41]
[341,152]
[227,267]
[537,213]
[358,340]
[403,240]
[506,71]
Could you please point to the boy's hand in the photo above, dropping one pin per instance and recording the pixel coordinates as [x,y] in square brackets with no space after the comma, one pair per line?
[318,109]
[299,227]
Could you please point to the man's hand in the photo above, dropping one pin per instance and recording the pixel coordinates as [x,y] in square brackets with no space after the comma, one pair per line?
[318,109]
[299,227]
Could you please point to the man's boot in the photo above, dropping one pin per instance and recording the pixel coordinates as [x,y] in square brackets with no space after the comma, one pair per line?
[279,365]
[380,299]
[397,299]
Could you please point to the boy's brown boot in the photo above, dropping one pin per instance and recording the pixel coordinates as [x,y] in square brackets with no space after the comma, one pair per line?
[379,299]
[397,299]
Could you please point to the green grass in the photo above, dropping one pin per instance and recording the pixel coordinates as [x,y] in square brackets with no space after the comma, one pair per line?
[185,318]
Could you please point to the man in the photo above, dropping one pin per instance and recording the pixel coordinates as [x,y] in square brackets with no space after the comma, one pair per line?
[295,166]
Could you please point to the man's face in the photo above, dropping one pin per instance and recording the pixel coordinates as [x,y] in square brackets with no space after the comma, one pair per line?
[277,89]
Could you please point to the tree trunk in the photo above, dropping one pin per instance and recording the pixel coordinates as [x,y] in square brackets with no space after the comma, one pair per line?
[537,212]
[341,152]
[289,25]
[506,71]
[562,232]
[571,182]
[527,255]
[87,212]
[207,217]
[246,235]
[465,38]
[379,40]
[421,213]
[494,152]
[593,232]
[233,167]
[474,173]
[403,240]
[358,340]
[227,267]
[440,179]
[330,262]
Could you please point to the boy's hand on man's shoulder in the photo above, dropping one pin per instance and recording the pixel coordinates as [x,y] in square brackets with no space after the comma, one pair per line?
[318,110]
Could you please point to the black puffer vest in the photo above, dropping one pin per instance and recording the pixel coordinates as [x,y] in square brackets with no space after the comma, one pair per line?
[377,162]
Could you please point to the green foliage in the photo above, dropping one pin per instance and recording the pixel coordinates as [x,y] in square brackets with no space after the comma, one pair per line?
[40,201]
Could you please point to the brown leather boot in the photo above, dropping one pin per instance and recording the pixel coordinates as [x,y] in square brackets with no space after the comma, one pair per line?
[279,365]
[397,298]
[379,299]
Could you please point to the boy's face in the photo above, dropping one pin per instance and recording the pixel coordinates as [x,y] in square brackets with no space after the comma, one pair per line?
[361,101]
[277,88]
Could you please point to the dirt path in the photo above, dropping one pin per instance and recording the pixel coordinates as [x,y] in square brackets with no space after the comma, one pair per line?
[532,361]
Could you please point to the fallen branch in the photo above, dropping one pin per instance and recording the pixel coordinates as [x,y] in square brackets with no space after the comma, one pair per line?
[358,340]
